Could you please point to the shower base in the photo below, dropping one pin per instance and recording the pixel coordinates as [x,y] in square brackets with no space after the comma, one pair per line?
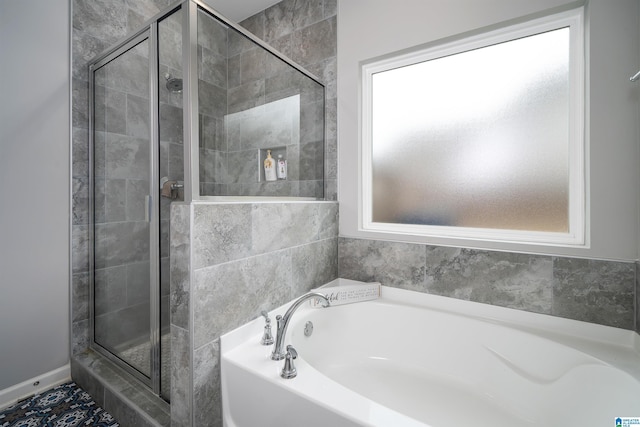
[139,356]
[118,392]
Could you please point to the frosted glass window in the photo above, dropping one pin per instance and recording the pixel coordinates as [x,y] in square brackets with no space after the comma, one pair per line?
[477,139]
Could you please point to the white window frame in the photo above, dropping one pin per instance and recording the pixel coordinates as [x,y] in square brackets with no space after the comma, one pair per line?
[575,236]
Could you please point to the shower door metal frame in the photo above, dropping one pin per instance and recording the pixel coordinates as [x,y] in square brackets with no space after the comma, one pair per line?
[149,31]
[152,205]
[190,77]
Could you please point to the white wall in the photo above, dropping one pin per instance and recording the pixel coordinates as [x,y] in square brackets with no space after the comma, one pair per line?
[34,183]
[372,28]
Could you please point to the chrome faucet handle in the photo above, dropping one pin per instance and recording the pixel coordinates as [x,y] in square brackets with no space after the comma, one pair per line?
[267,338]
[289,371]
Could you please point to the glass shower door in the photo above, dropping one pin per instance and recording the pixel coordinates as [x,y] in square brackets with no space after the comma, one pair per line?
[124,265]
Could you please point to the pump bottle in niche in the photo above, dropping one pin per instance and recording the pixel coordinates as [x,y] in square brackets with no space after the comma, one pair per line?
[270,168]
[282,167]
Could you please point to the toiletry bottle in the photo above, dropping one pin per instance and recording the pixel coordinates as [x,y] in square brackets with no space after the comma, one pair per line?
[270,168]
[282,167]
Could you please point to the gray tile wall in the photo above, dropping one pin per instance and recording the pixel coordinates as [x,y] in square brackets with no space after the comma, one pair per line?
[241,90]
[244,258]
[306,33]
[180,307]
[212,95]
[594,291]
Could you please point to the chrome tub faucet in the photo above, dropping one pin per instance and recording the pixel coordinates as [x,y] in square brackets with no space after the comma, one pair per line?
[283,322]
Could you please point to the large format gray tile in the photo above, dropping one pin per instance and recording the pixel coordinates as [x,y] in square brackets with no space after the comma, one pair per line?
[315,43]
[135,203]
[79,336]
[180,265]
[104,19]
[181,375]
[129,73]
[80,296]
[80,100]
[80,199]
[282,225]
[242,167]
[594,291]
[314,264]
[171,123]
[85,48]
[213,166]
[82,377]
[326,220]
[121,243]
[220,233]
[206,385]
[147,8]
[80,248]
[127,157]
[505,279]
[122,412]
[400,265]
[212,34]
[245,96]
[212,67]
[110,289]
[212,100]
[80,153]
[212,133]
[288,15]
[228,295]
[138,283]
[137,117]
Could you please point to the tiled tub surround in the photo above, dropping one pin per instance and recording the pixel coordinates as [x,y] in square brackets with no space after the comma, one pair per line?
[589,290]
[229,262]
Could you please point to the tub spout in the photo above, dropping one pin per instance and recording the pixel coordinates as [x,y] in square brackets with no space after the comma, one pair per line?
[283,322]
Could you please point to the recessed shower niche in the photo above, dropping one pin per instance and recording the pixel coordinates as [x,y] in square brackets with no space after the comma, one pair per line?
[179,111]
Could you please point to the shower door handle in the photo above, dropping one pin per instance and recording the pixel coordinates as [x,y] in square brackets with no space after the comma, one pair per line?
[147,208]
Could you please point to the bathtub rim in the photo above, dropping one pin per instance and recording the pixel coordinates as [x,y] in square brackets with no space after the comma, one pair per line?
[616,347]
[537,323]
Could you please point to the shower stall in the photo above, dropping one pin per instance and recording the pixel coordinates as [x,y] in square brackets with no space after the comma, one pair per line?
[187,108]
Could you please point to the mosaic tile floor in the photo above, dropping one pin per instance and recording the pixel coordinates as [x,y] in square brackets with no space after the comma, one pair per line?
[66,405]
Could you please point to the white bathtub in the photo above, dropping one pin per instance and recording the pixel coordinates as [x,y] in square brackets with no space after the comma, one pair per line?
[411,359]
